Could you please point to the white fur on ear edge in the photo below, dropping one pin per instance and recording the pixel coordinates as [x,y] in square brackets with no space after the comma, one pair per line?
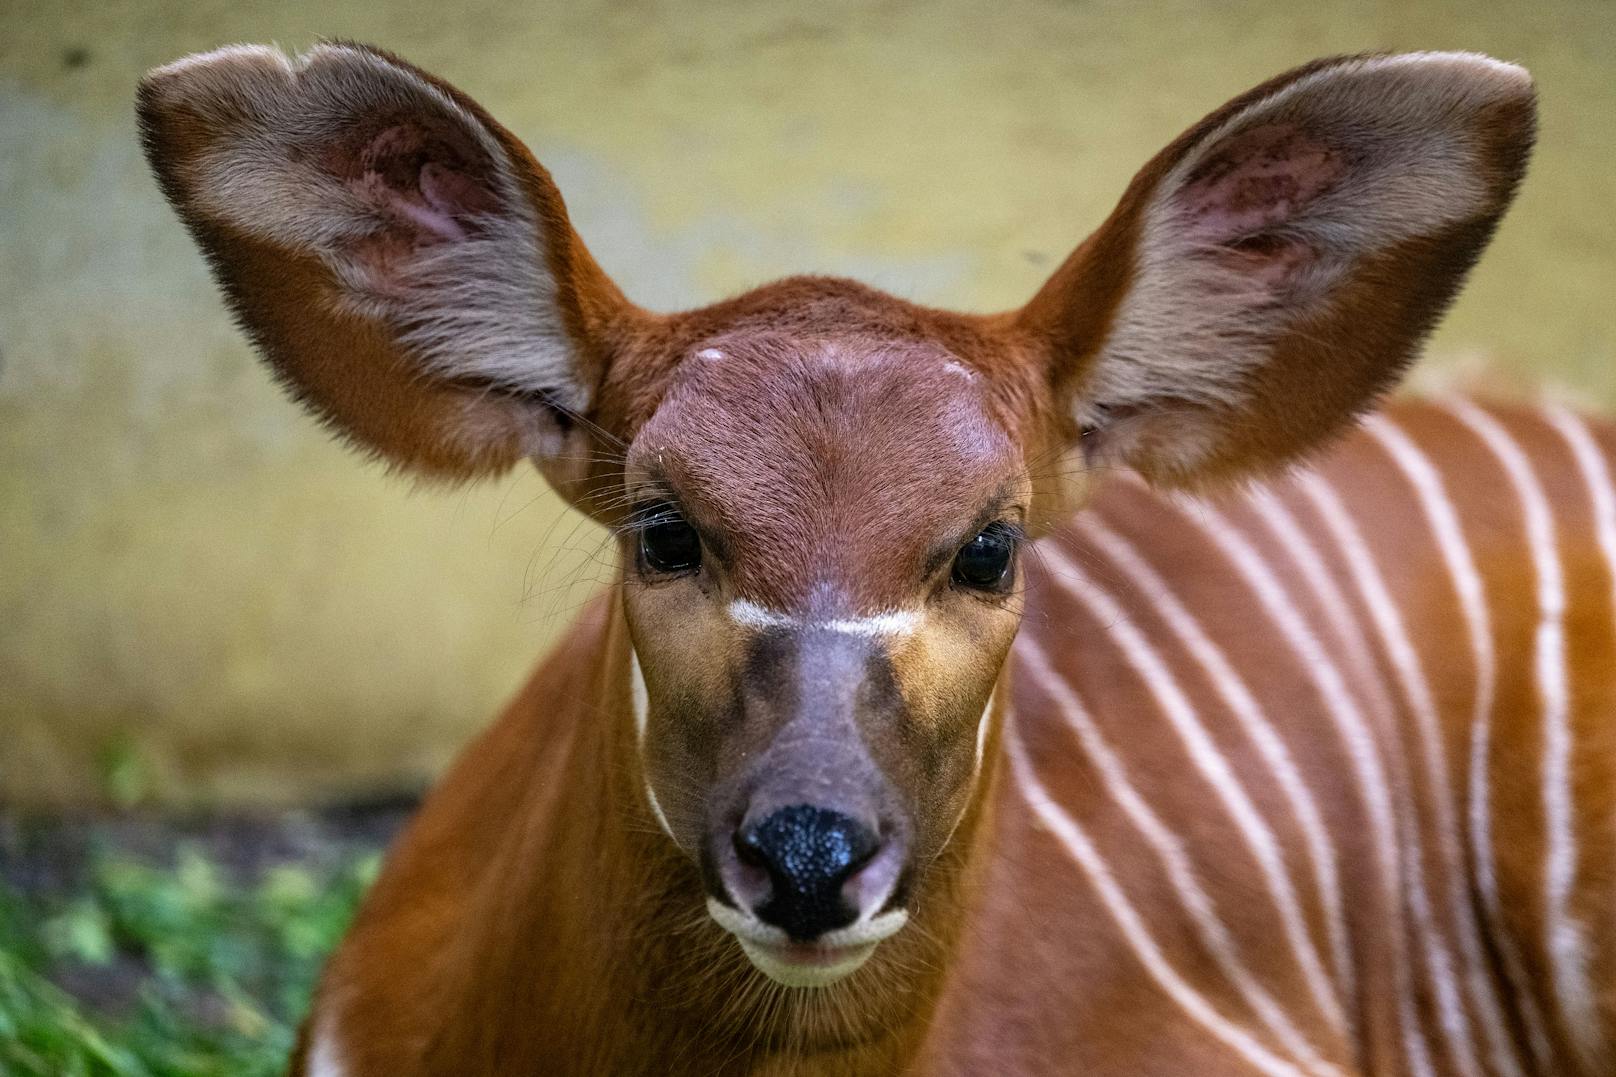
[481,306]
[1192,328]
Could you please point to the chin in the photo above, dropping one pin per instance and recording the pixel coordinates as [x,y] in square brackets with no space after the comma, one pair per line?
[827,960]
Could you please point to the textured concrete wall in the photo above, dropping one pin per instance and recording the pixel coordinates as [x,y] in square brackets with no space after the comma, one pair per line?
[190,570]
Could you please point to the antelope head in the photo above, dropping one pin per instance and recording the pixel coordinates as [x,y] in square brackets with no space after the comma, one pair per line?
[823,495]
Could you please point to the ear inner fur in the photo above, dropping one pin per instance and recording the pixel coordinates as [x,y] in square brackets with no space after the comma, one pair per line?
[1274,269]
[387,246]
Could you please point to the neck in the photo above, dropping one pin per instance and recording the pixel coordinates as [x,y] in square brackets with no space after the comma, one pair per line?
[593,928]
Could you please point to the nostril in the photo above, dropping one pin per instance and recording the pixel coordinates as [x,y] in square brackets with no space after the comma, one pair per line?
[749,847]
[804,845]
[808,854]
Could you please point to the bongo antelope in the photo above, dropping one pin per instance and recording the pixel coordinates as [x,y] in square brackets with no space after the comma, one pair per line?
[932,726]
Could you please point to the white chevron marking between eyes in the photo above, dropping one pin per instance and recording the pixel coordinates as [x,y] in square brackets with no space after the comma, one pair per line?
[888,623]
[746,612]
[885,623]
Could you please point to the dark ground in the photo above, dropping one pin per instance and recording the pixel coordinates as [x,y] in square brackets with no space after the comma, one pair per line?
[142,944]
[45,855]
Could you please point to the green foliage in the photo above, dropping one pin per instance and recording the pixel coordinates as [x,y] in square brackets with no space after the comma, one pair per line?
[125,772]
[191,972]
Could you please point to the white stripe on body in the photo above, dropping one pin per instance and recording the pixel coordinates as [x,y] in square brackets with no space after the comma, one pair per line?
[1565,940]
[1351,727]
[1442,517]
[1175,859]
[1237,696]
[1076,842]
[1348,630]
[1209,760]
[1416,689]
[1595,470]
[325,1058]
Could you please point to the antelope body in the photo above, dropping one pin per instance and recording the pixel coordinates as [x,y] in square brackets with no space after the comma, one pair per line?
[1307,776]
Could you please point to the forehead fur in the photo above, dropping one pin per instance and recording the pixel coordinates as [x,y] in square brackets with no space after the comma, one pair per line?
[830,469]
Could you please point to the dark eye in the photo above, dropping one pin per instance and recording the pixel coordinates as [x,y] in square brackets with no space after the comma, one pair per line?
[984,562]
[667,541]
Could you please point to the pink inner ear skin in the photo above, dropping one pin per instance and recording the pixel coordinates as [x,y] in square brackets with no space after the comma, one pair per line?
[1271,261]
[437,216]
[418,177]
[1257,180]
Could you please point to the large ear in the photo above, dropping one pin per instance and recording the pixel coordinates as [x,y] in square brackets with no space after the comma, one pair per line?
[1274,270]
[400,259]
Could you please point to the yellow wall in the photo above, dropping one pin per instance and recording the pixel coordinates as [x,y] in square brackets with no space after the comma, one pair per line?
[189,566]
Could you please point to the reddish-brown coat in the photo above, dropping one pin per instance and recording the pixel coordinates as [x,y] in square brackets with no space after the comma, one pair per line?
[535,919]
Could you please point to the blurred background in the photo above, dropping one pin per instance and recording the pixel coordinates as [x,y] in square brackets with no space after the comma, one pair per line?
[226,645]
[203,599]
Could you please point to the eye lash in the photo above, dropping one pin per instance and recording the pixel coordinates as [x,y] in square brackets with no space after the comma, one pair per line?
[1009,529]
[649,514]
[986,564]
[664,508]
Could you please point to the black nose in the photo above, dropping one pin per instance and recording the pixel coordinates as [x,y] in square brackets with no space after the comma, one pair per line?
[808,853]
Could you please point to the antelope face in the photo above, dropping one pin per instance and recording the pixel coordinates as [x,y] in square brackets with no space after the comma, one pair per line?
[822,559]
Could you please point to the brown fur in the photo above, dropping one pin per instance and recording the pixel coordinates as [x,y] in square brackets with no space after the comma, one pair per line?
[834,451]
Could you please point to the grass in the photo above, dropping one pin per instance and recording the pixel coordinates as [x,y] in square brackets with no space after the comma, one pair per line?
[174,955]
